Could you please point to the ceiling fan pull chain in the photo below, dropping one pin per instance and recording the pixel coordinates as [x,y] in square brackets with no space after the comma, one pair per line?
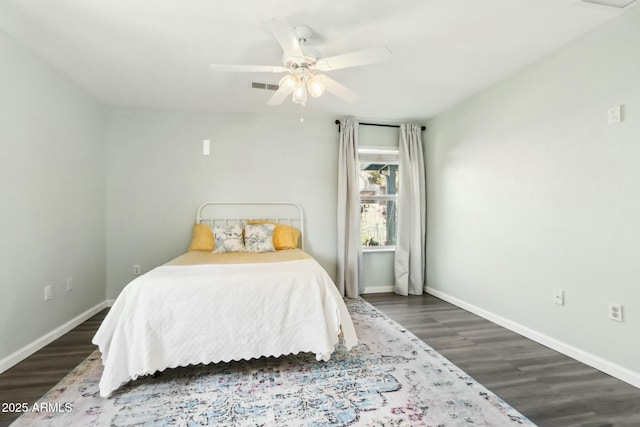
[301,113]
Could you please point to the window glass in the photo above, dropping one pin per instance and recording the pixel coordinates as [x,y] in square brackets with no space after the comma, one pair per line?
[378,222]
[378,194]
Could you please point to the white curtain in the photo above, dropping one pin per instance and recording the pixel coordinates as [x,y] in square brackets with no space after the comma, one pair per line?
[410,252]
[349,277]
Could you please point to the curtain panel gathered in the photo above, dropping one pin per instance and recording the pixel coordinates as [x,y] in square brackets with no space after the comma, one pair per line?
[410,255]
[349,275]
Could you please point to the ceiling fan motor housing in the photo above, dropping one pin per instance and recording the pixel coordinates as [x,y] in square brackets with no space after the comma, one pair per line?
[311,55]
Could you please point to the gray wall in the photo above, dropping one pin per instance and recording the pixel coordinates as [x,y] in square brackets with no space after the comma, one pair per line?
[157,177]
[52,204]
[529,189]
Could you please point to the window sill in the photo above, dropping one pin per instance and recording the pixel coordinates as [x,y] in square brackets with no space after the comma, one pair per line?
[366,249]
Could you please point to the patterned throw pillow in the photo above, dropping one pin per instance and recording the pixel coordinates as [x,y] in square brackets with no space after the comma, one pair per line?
[228,238]
[259,238]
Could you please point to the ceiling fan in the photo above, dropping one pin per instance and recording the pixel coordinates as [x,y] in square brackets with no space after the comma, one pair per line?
[303,66]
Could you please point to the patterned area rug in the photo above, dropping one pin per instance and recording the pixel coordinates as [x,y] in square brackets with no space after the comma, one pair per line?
[391,378]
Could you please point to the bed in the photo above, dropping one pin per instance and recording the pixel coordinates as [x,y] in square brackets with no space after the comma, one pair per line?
[209,307]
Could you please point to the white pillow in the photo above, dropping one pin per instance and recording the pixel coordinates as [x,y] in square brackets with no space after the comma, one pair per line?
[228,238]
[259,237]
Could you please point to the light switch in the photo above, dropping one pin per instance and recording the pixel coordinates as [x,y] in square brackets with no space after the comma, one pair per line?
[558,296]
[206,147]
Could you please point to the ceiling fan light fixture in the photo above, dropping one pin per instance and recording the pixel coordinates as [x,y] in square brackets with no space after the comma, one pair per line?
[315,85]
[300,93]
[289,82]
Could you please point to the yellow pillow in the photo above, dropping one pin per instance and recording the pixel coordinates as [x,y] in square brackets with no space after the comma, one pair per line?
[202,239]
[284,236]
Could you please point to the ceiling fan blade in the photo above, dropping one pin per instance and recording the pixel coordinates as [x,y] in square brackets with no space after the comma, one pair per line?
[248,68]
[280,95]
[354,59]
[286,38]
[339,90]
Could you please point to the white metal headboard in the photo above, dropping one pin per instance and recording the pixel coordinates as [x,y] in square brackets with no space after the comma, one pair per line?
[296,220]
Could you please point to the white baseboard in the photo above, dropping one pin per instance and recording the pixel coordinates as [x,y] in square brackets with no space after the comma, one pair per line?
[26,351]
[585,357]
[377,289]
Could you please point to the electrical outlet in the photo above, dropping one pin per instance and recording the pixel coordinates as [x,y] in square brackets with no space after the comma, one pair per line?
[136,270]
[47,293]
[69,284]
[558,296]
[614,114]
[615,312]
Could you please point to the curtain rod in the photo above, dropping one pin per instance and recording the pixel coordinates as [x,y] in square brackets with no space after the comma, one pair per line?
[377,124]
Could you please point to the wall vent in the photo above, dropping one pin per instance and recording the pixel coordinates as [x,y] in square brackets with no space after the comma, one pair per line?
[612,3]
[264,86]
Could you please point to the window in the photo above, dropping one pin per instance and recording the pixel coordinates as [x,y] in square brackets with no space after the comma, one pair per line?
[378,196]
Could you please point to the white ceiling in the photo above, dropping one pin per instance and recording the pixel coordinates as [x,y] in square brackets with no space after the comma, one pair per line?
[155,53]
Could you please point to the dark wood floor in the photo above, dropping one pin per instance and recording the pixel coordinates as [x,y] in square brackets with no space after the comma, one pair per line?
[549,388]
[30,379]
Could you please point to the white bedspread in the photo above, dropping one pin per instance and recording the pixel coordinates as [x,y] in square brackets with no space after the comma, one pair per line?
[181,315]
